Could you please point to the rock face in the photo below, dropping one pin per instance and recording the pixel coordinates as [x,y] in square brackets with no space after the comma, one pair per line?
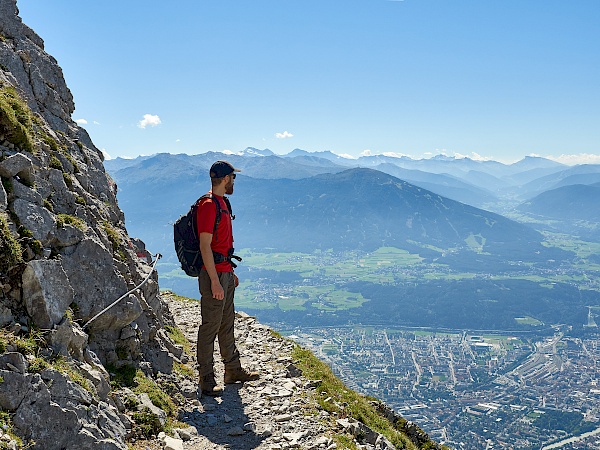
[46,291]
[65,256]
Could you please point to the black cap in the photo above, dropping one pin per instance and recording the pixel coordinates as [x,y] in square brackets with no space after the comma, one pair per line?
[221,169]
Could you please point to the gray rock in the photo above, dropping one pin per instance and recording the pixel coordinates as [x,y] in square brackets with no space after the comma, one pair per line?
[282,418]
[17,165]
[90,269]
[188,389]
[35,218]
[68,339]
[99,379]
[292,371]
[63,390]
[172,443]
[66,236]
[146,404]
[13,361]
[3,198]
[62,197]
[54,422]
[187,433]
[13,389]
[128,332]
[46,291]
[6,316]
[26,193]
[236,431]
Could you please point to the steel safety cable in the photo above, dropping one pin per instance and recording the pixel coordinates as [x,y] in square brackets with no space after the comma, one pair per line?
[158,256]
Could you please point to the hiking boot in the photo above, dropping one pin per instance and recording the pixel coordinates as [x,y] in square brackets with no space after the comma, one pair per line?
[239,374]
[208,385]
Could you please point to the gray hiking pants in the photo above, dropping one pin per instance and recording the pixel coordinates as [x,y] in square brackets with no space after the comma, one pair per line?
[218,317]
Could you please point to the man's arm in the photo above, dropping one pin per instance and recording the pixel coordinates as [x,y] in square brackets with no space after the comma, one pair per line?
[209,264]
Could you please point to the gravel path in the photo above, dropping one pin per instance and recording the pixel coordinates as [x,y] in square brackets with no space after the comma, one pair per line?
[275,412]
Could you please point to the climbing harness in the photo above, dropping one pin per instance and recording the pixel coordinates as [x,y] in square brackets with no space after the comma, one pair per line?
[157,256]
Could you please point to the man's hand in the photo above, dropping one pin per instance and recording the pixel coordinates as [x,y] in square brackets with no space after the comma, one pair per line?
[236,280]
[217,290]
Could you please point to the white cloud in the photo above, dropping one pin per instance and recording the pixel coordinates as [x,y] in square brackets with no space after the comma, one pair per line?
[81,121]
[347,156]
[96,123]
[365,153]
[107,157]
[580,158]
[177,140]
[227,152]
[149,120]
[284,135]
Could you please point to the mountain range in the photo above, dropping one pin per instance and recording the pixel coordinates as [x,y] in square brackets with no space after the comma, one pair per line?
[511,190]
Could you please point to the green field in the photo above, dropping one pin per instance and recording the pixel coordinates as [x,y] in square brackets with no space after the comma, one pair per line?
[316,280]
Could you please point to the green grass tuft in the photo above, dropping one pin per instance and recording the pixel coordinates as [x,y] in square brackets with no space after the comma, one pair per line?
[66,219]
[11,252]
[16,119]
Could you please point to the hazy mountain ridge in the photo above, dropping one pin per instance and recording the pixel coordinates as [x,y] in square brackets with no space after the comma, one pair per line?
[354,209]
[572,202]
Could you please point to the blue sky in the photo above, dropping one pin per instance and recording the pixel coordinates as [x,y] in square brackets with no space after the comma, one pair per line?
[482,78]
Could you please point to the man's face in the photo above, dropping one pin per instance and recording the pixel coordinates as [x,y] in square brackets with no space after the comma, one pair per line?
[229,185]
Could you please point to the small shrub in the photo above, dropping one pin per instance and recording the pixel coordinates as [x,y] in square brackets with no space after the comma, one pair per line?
[51,142]
[48,205]
[157,395]
[113,235]
[68,180]
[27,345]
[37,247]
[66,219]
[73,162]
[147,422]
[11,251]
[24,232]
[183,369]
[79,144]
[38,364]
[16,119]
[179,338]
[80,200]
[121,376]
[55,163]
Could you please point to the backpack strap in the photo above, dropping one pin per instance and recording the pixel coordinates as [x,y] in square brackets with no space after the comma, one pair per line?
[217,219]
[217,256]
[228,203]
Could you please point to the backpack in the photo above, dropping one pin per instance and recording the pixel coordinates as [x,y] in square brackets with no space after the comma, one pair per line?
[187,242]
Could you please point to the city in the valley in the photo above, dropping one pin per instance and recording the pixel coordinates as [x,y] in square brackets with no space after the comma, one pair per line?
[475,390]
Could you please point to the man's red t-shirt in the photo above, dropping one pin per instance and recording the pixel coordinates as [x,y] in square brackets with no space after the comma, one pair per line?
[222,240]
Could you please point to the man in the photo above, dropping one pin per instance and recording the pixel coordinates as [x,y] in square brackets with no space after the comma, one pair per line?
[217,285]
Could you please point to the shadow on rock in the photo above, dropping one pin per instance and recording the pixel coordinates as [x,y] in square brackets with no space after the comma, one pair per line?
[222,420]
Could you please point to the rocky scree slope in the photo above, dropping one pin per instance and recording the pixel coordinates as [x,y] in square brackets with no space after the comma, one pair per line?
[64,256]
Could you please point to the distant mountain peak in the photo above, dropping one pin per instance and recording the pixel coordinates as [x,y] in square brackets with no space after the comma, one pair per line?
[536,162]
[251,151]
